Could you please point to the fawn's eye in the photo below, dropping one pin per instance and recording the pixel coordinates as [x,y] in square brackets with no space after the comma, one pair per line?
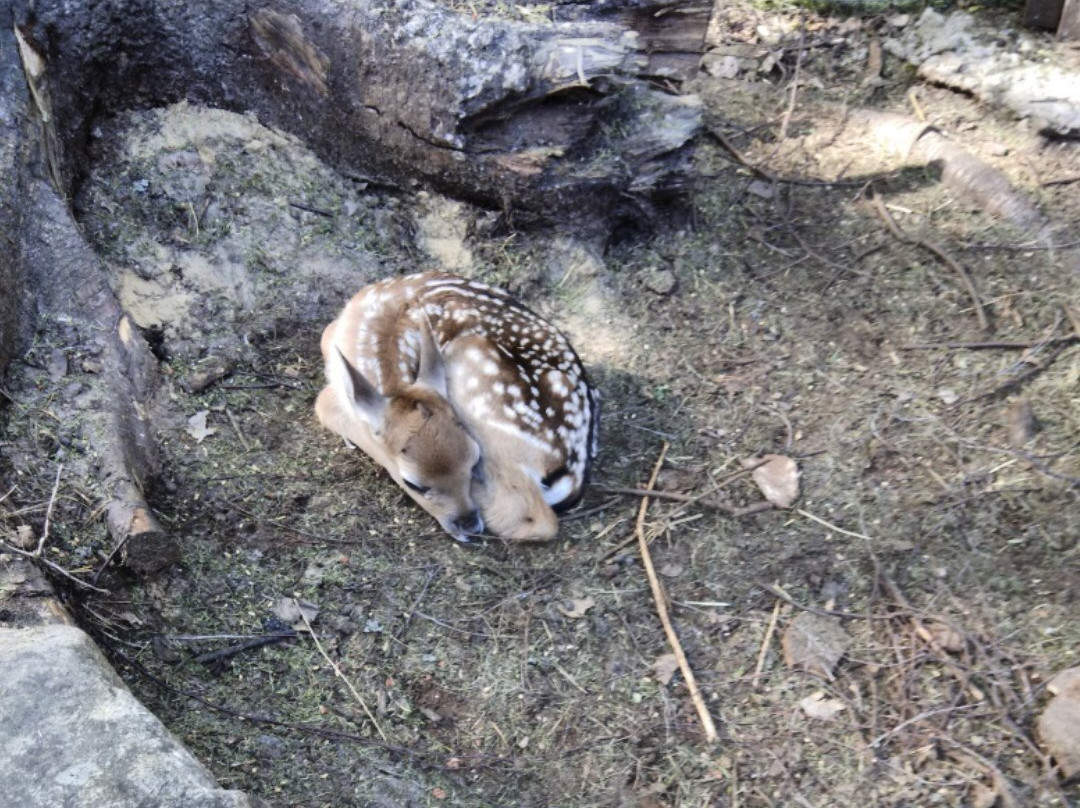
[420,489]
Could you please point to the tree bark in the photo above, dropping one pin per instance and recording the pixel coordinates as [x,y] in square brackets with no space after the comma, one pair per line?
[544,121]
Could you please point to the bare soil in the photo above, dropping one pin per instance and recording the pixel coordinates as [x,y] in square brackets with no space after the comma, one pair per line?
[938,524]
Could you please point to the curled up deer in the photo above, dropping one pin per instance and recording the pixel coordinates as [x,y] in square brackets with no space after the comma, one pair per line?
[479,408]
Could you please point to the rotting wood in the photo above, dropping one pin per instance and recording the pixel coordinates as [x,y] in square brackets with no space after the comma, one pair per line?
[1069,25]
[542,120]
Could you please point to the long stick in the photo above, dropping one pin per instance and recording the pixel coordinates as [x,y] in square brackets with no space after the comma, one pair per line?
[661,609]
[338,672]
[948,260]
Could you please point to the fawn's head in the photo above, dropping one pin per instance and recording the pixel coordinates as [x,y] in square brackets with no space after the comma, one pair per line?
[419,439]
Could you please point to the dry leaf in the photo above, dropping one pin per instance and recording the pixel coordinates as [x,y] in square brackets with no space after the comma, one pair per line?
[1059,724]
[818,707]
[1022,424]
[671,570]
[814,643]
[197,428]
[982,796]
[579,606]
[292,612]
[777,477]
[946,637]
[679,480]
[24,537]
[664,668]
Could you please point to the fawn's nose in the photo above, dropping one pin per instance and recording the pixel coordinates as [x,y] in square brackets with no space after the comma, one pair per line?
[469,523]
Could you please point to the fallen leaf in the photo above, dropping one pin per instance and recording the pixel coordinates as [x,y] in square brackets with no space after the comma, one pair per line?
[197,428]
[1059,724]
[671,570]
[291,611]
[579,606]
[1022,424]
[678,480]
[946,637]
[814,643]
[982,796]
[24,537]
[764,190]
[777,477]
[818,707]
[664,668]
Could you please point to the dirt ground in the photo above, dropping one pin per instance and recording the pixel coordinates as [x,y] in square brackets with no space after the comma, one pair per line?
[938,526]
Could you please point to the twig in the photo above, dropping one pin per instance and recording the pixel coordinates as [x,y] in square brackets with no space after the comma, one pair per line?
[48,513]
[921,717]
[237,430]
[770,177]
[432,573]
[338,673]
[700,499]
[38,553]
[1022,378]
[1060,181]
[220,655]
[831,526]
[970,757]
[980,346]
[779,592]
[661,609]
[900,235]
[310,209]
[913,99]
[109,558]
[11,548]
[786,121]
[313,537]
[765,643]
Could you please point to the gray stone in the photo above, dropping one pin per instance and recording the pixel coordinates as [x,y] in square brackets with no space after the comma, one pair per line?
[72,735]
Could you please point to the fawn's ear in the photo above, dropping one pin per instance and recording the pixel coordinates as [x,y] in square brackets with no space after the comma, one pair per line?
[359,394]
[432,373]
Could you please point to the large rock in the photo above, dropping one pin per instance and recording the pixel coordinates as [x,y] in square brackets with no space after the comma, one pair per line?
[71,733]
[1014,69]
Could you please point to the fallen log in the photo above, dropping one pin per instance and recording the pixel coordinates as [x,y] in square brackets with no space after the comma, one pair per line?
[541,120]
